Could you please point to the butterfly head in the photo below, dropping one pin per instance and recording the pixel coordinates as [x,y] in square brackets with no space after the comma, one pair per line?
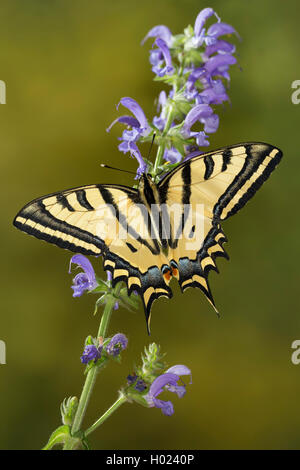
[145,181]
[147,189]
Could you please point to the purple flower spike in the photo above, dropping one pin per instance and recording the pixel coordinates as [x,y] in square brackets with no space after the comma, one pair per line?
[161,32]
[117,344]
[167,381]
[91,353]
[83,281]
[163,57]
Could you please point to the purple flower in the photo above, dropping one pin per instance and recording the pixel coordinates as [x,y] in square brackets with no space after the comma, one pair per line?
[214,94]
[180,369]
[117,344]
[160,121]
[161,59]
[91,353]
[219,64]
[161,32]
[140,386]
[172,155]
[131,379]
[201,19]
[139,128]
[204,114]
[83,281]
[169,381]
[191,91]
[221,47]
[218,29]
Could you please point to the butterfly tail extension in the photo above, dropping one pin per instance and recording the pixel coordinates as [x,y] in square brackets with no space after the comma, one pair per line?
[149,285]
[194,273]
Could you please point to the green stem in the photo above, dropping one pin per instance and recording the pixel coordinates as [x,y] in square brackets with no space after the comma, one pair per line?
[162,146]
[92,374]
[122,399]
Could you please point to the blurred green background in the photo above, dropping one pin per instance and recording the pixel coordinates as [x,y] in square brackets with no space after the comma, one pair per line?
[66,64]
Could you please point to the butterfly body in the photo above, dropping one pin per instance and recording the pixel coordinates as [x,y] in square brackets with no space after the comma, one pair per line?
[157,232]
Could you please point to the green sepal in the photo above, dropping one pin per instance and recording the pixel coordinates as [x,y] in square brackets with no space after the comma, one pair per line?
[80,436]
[194,57]
[100,363]
[102,286]
[168,79]
[137,397]
[177,41]
[153,364]
[117,294]
[61,435]
[89,341]
[188,31]
[181,105]
[68,409]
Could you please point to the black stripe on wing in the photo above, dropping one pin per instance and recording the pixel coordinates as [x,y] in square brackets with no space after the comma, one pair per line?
[36,220]
[194,273]
[185,201]
[260,161]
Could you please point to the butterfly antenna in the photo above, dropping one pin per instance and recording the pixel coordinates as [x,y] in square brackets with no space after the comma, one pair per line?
[114,168]
[152,142]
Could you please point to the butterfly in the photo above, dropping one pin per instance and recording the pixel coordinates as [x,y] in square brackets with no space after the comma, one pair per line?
[156,232]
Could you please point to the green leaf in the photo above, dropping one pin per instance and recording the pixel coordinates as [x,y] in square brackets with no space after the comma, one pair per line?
[60,436]
[99,302]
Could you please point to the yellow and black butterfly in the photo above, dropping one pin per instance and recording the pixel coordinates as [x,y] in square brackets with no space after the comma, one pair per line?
[141,240]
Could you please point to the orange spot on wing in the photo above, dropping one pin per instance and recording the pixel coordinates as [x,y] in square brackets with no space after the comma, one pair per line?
[175,272]
[167,276]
